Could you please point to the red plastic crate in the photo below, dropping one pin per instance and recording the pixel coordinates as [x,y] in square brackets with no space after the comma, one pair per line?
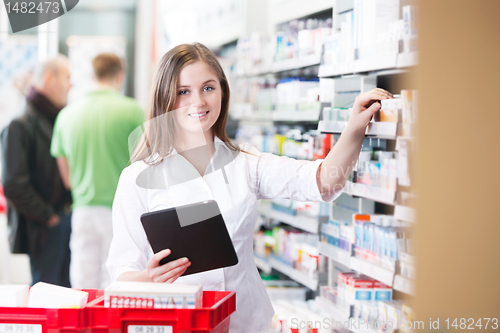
[212,317]
[36,320]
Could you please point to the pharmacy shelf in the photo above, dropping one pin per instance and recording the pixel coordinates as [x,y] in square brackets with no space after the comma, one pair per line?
[378,273]
[341,256]
[331,309]
[262,264]
[294,274]
[378,194]
[380,130]
[404,284]
[305,223]
[296,63]
[404,213]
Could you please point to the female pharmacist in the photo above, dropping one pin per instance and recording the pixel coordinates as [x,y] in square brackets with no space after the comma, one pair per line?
[183,137]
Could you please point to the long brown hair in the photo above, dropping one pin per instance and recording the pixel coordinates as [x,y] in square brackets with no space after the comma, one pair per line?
[159,136]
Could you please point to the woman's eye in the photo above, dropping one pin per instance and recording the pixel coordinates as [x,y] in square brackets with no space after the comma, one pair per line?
[208,88]
[183,92]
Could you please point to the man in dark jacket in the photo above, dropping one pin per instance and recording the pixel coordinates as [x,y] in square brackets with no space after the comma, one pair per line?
[38,202]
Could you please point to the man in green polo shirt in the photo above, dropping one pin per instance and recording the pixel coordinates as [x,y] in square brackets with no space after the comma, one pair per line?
[90,142]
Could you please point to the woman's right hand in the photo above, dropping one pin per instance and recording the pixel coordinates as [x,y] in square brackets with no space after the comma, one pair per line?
[168,272]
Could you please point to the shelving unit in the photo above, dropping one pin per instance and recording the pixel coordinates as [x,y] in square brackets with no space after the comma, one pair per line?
[298,221]
[348,79]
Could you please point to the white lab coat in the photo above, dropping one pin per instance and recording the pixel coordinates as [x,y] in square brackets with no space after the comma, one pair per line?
[250,176]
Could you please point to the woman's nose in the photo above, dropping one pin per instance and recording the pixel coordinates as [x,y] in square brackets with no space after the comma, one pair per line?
[197,100]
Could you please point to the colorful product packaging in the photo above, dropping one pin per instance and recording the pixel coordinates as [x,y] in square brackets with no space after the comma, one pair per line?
[381,292]
[128,294]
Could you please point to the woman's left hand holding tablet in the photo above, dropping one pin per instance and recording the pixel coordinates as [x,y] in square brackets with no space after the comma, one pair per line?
[168,272]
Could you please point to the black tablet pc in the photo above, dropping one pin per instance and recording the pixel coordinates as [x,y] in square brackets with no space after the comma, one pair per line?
[196,231]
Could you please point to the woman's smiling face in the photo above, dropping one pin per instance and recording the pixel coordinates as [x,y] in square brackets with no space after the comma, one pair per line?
[199,97]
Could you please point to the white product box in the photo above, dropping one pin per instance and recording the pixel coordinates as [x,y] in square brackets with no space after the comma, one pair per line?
[44,295]
[14,295]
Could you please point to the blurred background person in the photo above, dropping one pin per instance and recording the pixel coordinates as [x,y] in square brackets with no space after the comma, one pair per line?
[39,204]
[91,146]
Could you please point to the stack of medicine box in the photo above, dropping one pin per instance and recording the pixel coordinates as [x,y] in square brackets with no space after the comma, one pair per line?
[353,287]
[371,235]
[148,295]
[338,234]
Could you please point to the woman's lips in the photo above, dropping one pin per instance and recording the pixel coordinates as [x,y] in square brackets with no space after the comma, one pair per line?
[199,115]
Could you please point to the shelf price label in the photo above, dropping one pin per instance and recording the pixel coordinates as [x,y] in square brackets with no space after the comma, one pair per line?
[20,328]
[147,329]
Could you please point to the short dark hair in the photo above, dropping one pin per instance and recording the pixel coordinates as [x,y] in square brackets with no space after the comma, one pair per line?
[106,66]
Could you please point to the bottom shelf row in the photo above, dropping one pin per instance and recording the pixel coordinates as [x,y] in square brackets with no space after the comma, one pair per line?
[359,304]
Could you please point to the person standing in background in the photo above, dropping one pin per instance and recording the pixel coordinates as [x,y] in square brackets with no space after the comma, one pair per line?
[90,144]
[38,202]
